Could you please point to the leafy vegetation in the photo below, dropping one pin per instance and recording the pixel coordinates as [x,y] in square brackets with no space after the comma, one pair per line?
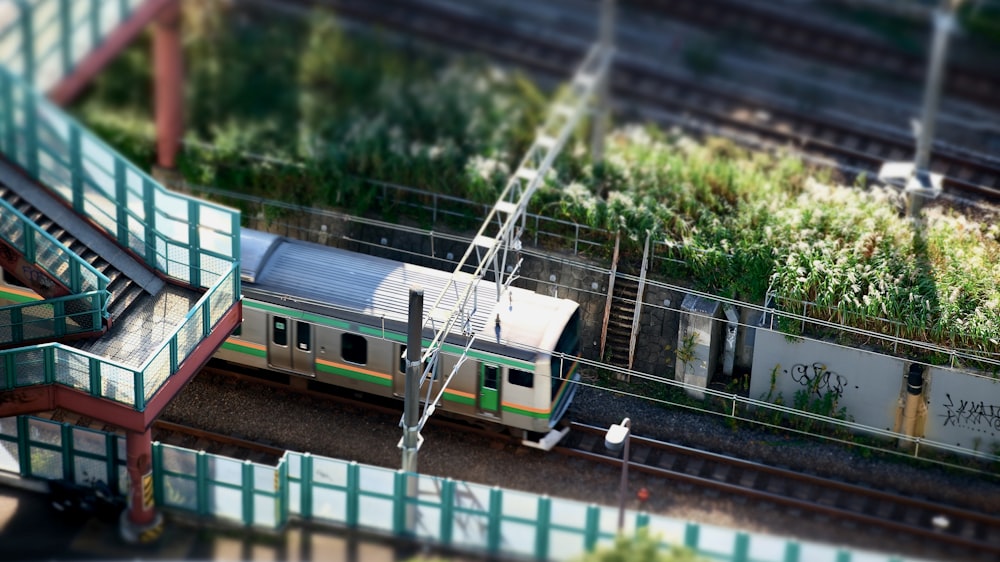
[640,548]
[320,113]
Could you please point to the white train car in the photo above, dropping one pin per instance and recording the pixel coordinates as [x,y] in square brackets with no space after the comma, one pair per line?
[339,318]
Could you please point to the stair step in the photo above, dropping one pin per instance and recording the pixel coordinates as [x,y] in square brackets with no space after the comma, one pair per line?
[122,300]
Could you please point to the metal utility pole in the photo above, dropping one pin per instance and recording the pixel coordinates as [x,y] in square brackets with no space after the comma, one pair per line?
[411,394]
[410,443]
[606,39]
[916,178]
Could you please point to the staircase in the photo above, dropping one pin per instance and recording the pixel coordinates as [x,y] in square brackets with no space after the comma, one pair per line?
[124,291]
[619,334]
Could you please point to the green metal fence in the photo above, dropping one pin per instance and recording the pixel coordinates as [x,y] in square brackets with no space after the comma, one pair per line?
[55,363]
[185,238]
[46,39]
[42,249]
[462,515]
[52,318]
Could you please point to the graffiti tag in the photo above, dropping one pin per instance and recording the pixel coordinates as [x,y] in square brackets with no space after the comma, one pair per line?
[971,414]
[36,279]
[818,379]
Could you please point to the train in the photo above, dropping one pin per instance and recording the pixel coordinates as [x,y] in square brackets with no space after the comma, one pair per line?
[339,318]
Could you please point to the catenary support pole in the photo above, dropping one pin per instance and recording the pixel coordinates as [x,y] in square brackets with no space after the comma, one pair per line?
[169,85]
[921,186]
[410,443]
[606,33]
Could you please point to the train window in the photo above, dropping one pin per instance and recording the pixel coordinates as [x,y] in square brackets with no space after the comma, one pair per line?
[402,362]
[279,330]
[354,348]
[521,378]
[302,336]
[491,373]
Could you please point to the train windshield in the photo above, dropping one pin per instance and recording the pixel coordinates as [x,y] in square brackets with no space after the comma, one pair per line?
[564,366]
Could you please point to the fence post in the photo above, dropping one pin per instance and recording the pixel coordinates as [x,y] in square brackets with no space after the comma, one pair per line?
[447,510]
[201,482]
[542,528]
[353,491]
[76,168]
[139,390]
[741,547]
[95,24]
[149,221]
[399,502]
[592,529]
[68,458]
[24,445]
[7,98]
[691,532]
[247,488]
[194,243]
[792,550]
[306,486]
[27,35]
[495,519]
[160,482]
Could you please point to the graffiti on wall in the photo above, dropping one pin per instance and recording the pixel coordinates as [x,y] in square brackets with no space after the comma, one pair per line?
[818,379]
[971,414]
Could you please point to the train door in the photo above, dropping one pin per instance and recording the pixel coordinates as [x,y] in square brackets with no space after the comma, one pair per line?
[489,388]
[290,345]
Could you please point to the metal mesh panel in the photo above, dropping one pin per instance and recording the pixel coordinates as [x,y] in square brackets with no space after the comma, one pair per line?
[137,236]
[212,267]
[37,321]
[88,279]
[72,369]
[220,301]
[46,463]
[89,441]
[10,457]
[12,229]
[89,471]
[6,331]
[178,262]
[188,336]
[180,492]
[45,431]
[29,367]
[117,383]
[52,258]
[181,461]
[156,373]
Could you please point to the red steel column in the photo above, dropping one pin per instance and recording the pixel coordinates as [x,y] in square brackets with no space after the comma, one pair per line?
[140,522]
[168,77]
[139,463]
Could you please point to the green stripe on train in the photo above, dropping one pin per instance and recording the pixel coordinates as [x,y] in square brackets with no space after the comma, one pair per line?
[352,374]
[522,412]
[365,377]
[401,338]
[246,350]
[16,297]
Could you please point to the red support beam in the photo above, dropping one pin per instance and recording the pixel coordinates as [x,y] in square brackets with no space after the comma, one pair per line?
[168,66]
[65,91]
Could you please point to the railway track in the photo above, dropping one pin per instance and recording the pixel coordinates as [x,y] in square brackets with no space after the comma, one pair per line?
[785,28]
[186,436]
[969,533]
[694,104]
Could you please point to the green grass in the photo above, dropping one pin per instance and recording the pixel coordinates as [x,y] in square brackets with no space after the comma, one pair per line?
[323,110]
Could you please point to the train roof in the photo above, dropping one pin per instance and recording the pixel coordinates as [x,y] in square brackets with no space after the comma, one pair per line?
[379,288]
